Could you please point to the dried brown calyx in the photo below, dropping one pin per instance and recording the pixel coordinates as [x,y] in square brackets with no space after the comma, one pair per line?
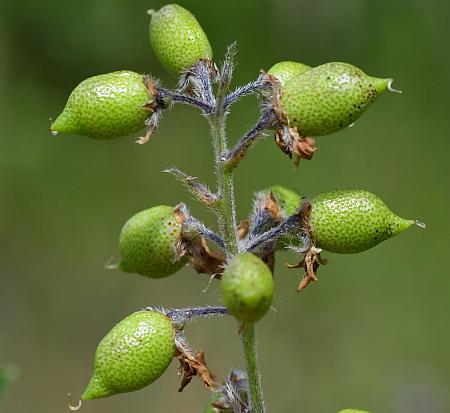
[292,143]
[192,365]
[310,263]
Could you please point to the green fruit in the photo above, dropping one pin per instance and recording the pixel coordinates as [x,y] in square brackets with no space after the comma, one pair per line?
[287,200]
[147,243]
[328,98]
[177,38]
[288,203]
[132,355]
[285,71]
[106,106]
[351,221]
[247,287]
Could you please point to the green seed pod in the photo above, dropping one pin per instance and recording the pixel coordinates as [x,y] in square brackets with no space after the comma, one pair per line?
[247,287]
[177,38]
[147,243]
[328,98]
[351,221]
[106,106]
[132,355]
[285,71]
[287,200]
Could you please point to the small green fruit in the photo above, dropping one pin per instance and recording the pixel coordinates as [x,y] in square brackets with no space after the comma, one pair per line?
[287,200]
[351,221]
[147,243]
[132,355]
[177,38]
[328,98]
[247,287]
[106,106]
[286,71]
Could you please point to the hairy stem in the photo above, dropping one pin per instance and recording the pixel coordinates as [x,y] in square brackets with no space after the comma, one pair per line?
[183,315]
[226,213]
[225,187]
[238,152]
[226,207]
[251,360]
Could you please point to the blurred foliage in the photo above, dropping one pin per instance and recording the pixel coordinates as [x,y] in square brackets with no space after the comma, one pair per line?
[8,374]
[372,333]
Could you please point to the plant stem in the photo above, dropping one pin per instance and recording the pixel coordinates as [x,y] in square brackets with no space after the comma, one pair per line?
[251,360]
[226,213]
[226,206]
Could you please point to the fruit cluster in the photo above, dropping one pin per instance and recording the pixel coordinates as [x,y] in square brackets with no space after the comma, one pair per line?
[299,103]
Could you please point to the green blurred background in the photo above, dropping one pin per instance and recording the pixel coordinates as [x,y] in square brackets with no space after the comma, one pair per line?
[374,332]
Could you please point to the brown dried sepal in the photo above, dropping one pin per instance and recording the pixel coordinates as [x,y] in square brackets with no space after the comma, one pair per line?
[243,228]
[185,79]
[204,260]
[270,205]
[292,143]
[310,263]
[192,365]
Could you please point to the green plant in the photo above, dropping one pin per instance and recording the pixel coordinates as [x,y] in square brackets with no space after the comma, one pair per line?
[247,287]
[107,106]
[147,242]
[132,355]
[298,103]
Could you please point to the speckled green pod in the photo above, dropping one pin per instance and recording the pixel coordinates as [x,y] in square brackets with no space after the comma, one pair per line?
[132,355]
[177,38]
[328,98]
[351,221]
[106,106]
[287,200]
[147,243]
[247,287]
[287,70]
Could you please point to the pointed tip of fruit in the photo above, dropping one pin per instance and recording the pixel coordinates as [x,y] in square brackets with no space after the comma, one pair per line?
[390,88]
[402,224]
[64,123]
[380,85]
[420,224]
[96,389]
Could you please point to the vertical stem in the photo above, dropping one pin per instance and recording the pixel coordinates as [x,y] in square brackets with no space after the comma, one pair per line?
[227,210]
[226,213]
[251,360]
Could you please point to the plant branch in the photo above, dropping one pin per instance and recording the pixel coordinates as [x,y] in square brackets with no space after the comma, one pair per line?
[238,152]
[192,227]
[251,361]
[226,211]
[293,224]
[226,73]
[259,85]
[199,190]
[169,96]
[183,315]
